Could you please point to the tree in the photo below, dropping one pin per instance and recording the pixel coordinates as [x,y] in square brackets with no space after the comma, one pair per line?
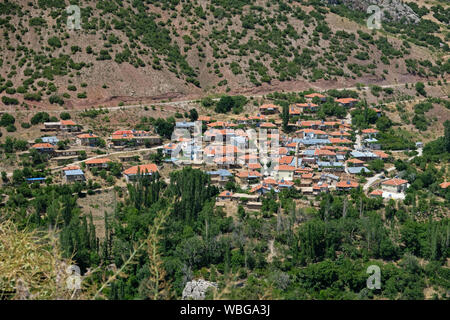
[420,88]
[285,117]
[225,104]
[7,120]
[447,135]
[193,115]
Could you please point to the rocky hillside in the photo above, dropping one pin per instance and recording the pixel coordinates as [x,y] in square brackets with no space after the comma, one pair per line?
[143,51]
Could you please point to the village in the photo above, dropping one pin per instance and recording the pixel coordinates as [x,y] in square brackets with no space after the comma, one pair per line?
[314,157]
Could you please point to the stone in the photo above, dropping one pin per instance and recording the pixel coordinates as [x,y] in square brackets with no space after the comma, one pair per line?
[196,289]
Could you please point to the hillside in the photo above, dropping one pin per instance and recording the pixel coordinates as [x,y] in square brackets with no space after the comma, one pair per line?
[147,51]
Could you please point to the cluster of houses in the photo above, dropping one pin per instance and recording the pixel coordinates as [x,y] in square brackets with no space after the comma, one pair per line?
[320,156]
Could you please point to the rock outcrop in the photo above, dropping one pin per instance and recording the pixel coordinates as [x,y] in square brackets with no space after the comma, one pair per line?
[391,10]
[196,289]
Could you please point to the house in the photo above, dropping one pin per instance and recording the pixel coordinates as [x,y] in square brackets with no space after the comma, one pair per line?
[358,170]
[372,144]
[185,125]
[284,184]
[307,107]
[444,185]
[225,196]
[132,173]
[221,176]
[87,139]
[97,163]
[376,193]
[347,102]
[369,133]
[346,185]
[247,177]
[171,149]
[268,109]
[69,126]
[284,172]
[364,156]
[74,175]
[394,185]
[35,180]
[133,137]
[44,148]
[311,96]
[52,140]
[312,134]
[52,126]
[261,189]
[381,154]
[205,119]
[320,187]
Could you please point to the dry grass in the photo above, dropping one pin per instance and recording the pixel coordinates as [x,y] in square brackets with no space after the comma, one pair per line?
[32,266]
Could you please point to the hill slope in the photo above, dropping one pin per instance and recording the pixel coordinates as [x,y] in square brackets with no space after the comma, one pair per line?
[167,49]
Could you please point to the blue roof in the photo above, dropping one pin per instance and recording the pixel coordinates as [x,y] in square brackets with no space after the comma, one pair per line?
[77,172]
[299,162]
[371,140]
[52,140]
[330,164]
[358,154]
[221,172]
[312,141]
[35,179]
[355,170]
[185,124]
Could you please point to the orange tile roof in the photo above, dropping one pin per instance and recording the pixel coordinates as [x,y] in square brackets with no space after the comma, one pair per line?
[306,105]
[87,136]
[381,154]
[268,106]
[340,133]
[226,194]
[98,161]
[347,184]
[355,161]
[346,100]
[245,174]
[68,123]
[267,125]
[376,193]
[285,167]
[307,176]
[444,185]
[324,152]
[394,182]
[270,181]
[370,130]
[143,168]
[313,95]
[42,146]
[254,166]
[71,168]
[339,140]
[204,118]
[286,160]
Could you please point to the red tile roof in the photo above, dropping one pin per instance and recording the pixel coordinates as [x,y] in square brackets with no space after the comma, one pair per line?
[313,95]
[444,185]
[98,161]
[394,182]
[347,184]
[87,136]
[143,168]
[42,146]
[376,193]
[68,123]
